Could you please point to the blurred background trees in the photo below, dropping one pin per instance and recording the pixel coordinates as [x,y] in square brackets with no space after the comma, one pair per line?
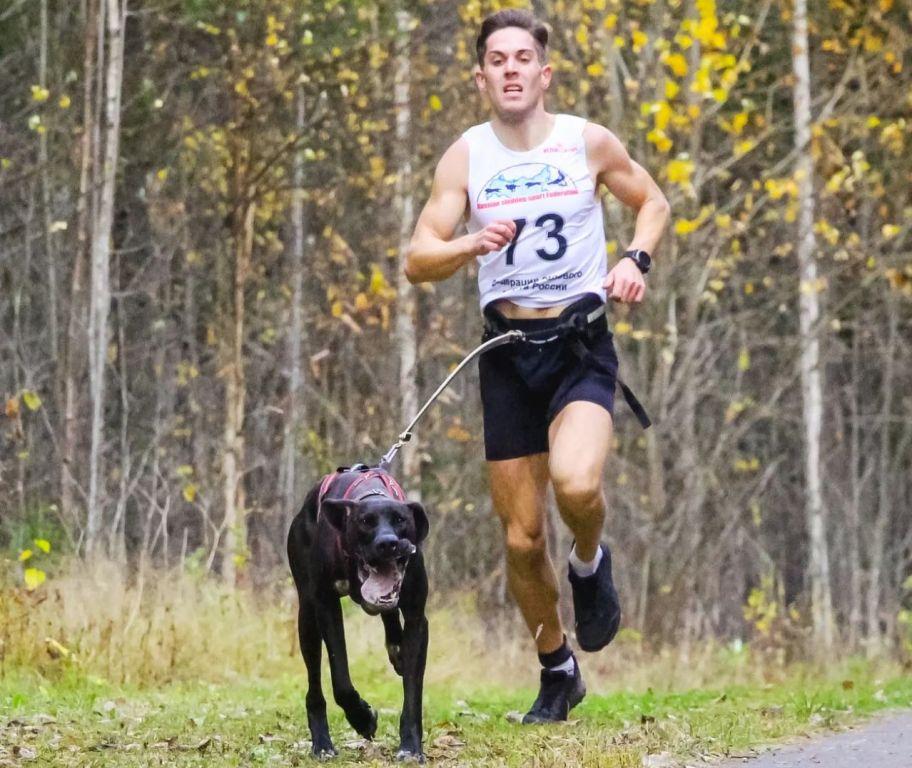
[202,210]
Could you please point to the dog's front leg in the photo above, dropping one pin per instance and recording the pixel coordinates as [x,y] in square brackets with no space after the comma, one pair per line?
[414,658]
[392,630]
[357,711]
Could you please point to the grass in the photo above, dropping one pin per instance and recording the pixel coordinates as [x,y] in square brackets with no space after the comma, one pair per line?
[96,670]
[83,721]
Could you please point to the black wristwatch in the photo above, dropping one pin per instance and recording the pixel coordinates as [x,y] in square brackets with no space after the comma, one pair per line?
[640,258]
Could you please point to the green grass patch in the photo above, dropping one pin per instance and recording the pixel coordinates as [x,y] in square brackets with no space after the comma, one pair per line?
[78,720]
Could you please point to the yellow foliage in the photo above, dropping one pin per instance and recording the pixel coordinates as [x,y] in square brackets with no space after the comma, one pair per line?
[827,231]
[890,231]
[31,400]
[680,170]
[661,141]
[686,226]
[39,94]
[671,89]
[639,40]
[744,360]
[621,328]
[610,21]
[378,284]
[777,188]
[435,103]
[676,63]
[582,36]
[595,69]
[189,492]
[743,147]
[24,555]
[34,578]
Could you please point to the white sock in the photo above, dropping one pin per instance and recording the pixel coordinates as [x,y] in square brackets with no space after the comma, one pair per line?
[581,568]
[567,667]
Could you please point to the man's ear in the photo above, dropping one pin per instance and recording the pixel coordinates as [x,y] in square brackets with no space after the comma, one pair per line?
[336,512]
[421,521]
[480,80]
[546,74]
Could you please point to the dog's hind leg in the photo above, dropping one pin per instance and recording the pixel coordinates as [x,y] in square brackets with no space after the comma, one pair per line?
[311,650]
[393,631]
[357,711]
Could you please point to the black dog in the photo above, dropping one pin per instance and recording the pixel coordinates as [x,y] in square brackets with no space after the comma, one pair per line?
[356,535]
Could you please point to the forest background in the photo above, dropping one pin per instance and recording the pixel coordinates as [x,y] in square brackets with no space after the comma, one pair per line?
[203,210]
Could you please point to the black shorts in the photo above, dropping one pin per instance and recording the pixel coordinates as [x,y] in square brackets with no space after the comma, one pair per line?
[524,386]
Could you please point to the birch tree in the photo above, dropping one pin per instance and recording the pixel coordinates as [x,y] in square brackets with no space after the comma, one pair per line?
[809,342]
[406,302]
[100,302]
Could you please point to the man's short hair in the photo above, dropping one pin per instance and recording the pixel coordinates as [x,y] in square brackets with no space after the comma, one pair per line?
[512,17]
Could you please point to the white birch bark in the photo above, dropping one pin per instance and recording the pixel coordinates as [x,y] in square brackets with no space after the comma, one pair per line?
[406,339]
[809,315]
[100,302]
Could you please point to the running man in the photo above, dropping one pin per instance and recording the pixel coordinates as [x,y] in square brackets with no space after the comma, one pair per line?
[527,183]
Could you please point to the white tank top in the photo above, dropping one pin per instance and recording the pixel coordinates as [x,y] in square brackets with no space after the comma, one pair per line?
[558,252]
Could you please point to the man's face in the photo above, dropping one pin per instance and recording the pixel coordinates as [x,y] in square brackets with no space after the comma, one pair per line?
[512,76]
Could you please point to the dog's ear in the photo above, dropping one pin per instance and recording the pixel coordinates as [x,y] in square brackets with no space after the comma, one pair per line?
[421,521]
[336,512]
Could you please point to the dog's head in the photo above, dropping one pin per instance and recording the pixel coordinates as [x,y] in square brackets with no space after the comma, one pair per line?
[380,534]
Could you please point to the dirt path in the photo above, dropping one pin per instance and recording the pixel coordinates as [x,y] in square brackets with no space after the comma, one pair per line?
[885,742]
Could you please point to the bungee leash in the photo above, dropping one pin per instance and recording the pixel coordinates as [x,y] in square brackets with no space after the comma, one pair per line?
[577,324]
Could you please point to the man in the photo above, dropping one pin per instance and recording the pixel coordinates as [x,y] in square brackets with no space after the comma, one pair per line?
[528,182]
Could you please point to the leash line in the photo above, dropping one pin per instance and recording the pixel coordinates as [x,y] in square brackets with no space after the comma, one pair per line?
[529,337]
[498,341]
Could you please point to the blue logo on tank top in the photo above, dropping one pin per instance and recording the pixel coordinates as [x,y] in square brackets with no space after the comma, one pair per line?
[522,182]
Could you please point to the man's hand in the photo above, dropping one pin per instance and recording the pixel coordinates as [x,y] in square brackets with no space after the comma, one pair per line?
[494,236]
[625,283]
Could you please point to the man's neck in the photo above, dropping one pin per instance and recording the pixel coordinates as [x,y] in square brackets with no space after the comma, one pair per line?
[526,133]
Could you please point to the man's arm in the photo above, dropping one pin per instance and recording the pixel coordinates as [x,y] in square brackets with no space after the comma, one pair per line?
[433,254]
[633,186]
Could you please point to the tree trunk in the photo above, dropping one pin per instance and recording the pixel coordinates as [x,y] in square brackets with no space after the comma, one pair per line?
[878,552]
[295,414]
[75,339]
[100,303]
[235,388]
[809,314]
[406,301]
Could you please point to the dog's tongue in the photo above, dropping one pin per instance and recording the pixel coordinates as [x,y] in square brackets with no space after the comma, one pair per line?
[380,586]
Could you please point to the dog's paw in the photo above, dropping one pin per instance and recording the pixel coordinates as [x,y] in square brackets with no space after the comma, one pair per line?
[408,756]
[323,750]
[395,656]
[363,719]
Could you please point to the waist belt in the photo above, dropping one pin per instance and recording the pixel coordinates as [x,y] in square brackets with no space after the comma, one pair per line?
[574,328]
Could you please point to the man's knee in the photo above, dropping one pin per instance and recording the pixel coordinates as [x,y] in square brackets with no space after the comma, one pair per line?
[577,491]
[524,543]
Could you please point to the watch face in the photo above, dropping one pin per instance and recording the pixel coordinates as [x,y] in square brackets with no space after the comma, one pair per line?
[641,259]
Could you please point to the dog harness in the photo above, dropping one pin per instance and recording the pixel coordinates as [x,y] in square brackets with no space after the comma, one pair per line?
[359,482]
[558,251]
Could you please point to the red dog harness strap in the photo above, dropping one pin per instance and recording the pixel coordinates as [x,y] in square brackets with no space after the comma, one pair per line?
[377,482]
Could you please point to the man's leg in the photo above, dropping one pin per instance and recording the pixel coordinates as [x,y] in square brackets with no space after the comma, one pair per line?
[519,492]
[580,438]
